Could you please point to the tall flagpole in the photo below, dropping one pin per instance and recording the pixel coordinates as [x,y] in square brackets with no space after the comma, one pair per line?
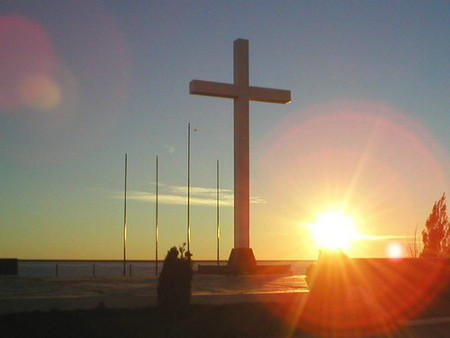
[188,235]
[218,216]
[125,221]
[156,221]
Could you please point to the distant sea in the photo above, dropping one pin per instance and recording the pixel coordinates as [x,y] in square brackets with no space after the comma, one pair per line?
[67,268]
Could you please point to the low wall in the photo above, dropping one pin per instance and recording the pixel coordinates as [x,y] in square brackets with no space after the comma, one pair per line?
[9,266]
[356,295]
[382,276]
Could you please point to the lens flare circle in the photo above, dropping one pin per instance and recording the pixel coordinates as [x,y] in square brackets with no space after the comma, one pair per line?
[25,49]
[395,250]
[41,92]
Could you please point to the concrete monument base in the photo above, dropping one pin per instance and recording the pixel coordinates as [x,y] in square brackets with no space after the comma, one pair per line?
[242,262]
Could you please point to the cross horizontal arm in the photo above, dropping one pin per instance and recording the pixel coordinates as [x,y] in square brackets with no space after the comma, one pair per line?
[209,88]
[269,95]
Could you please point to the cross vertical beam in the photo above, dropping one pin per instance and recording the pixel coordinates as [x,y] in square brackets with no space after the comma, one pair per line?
[242,93]
[241,147]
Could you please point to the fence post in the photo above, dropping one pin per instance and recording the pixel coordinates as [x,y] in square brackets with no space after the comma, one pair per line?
[56,270]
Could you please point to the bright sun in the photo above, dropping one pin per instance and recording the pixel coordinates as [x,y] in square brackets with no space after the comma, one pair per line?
[334,230]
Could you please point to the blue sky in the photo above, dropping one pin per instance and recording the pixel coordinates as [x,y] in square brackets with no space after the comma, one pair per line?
[85,82]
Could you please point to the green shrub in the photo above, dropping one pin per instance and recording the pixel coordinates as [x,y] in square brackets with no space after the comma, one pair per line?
[175,280]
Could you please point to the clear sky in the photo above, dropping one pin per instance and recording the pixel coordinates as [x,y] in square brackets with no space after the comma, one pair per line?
[84,82]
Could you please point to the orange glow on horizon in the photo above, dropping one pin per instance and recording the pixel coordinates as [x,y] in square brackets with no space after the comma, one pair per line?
[362,156]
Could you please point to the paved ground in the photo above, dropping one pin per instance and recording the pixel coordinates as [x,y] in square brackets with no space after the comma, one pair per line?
[28,294]
[19,294]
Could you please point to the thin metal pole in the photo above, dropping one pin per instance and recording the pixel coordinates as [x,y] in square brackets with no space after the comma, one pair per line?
[218,215]
[189,189]
[156,221]
[125,220]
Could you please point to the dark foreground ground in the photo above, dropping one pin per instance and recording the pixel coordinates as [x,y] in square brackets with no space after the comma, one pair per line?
[228,320]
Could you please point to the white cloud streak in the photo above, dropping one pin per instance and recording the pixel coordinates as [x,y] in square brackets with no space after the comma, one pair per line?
[177,195]
[169,148]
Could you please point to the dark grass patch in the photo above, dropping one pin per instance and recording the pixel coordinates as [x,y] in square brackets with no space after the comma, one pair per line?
[228,320]
[233,320]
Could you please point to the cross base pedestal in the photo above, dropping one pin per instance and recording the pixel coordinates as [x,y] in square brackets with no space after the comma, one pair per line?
[242,261]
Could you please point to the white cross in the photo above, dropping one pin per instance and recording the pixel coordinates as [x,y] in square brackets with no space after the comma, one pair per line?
[241,92]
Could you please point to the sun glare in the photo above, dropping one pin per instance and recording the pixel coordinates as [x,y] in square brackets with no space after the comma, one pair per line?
[334,230]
